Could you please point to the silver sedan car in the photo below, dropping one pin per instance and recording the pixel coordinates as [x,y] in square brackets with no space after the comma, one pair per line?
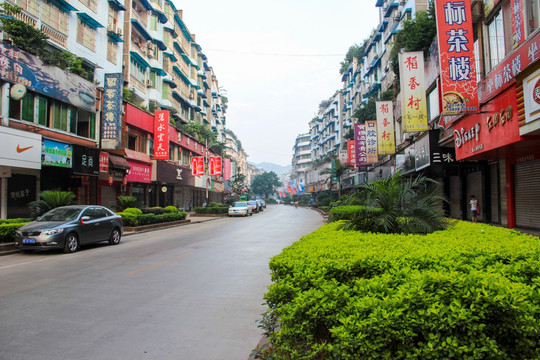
[240,208]
[69,227]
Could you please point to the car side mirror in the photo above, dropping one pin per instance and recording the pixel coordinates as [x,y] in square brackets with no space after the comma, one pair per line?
[84,218]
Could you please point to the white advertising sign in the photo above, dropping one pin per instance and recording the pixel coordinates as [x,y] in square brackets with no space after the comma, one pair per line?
[20,149]
[531,93]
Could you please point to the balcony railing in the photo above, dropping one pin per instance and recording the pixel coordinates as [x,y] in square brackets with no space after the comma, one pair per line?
[54,35]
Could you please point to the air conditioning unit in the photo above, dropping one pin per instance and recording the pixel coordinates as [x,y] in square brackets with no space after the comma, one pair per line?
[148,83]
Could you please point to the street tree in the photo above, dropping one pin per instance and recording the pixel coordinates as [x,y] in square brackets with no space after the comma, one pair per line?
[336,172]
[265,183]
[238,184]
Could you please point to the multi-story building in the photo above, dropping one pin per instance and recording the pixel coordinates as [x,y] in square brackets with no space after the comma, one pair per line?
[93,133]
[301,156]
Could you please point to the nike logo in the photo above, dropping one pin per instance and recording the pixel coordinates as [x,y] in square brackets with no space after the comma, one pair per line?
[20,149]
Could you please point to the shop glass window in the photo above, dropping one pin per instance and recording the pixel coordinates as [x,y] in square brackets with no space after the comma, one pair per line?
[60,114]
[532,9]
[27,103]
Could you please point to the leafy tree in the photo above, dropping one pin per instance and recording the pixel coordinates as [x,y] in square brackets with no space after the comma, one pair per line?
[50,200]
[336,171]
[265,183]
[124,202]
[238,184]
[417,35]
[355,51]
[23,35]
[409,206]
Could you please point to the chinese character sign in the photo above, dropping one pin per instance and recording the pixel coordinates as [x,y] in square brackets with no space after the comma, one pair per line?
[111,127]
[360,144]
[385,128]
[226,169]
[518,22]
[413,92]
[215,165]
[161,135]
[197,165]
[456,50]
[372,154]
[351,153]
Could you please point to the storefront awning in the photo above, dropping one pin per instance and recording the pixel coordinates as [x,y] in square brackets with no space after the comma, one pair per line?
[119,162]
[138,156]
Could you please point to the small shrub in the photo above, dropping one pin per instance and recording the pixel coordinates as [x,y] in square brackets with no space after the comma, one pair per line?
[215,204]
[201,210]
[7,231]
[134,211]
[171,209]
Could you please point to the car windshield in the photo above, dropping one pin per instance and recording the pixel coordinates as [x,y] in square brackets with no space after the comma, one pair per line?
[240,204]
[252,202]
[68,214]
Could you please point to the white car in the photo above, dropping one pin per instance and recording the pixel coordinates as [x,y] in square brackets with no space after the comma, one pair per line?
[240,208]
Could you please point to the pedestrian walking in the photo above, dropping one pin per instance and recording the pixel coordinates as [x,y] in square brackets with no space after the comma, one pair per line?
[474,208]
[190,205]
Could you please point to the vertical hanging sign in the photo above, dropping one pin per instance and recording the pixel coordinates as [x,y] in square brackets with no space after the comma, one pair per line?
[518,23]
[385,128]
[197,166]
[111,128]
[351,153]
[372,155]
[215,165]
[161,135]
[360,144]
[456,51]
[413,93]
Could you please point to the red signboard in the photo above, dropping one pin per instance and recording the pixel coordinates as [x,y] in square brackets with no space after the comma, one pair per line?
[351,152]
[215,165]
[226,169]
[161,135]
[197,165]
[504,74]
[496,126]
[456,50]
[103,161]
[139,172]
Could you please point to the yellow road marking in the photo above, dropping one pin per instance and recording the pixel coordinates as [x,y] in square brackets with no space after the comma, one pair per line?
[157,264]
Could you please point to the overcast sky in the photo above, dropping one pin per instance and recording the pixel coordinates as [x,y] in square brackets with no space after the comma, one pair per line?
[277,60]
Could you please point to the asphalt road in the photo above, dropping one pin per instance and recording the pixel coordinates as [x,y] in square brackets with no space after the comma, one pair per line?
[187,293]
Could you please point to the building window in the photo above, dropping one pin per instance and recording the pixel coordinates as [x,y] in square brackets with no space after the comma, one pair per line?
[86,36]
[165,91]
[113,18]
[153,22]
[30,6]
[112,52]
[54,17]
[91,4]
[532,15]
[137,71]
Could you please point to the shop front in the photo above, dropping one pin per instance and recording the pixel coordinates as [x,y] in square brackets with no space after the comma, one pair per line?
[85,173]
[178,180]
[139,178]
[20,164]
[112,178]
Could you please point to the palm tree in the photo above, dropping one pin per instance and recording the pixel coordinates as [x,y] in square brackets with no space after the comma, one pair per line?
[336,171]
[50,200]
[411,205]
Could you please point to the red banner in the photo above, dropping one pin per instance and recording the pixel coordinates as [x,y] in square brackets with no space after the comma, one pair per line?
[456,50]
[104,161]
[215,165]
[139,172]
[161,135]
[226,169]
[351,152]
[288,189]
[197,165]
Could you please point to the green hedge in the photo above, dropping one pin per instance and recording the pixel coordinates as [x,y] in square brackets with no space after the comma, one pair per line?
[130,219]
[134,211]
[17,220]
[469,292]
[7,230]
[345,212]
[212,210]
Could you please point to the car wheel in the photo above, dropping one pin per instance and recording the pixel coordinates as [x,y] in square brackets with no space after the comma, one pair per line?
[115,237]
[251,214]
[72,243]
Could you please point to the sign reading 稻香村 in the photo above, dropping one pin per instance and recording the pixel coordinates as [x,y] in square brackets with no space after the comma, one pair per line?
[413,93]
[385,128]
[456,50]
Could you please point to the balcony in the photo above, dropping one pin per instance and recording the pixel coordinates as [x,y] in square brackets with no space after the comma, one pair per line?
[54,35]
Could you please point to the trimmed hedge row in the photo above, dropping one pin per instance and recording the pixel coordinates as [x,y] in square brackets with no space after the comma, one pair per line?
[212,210]
[8,229]
[469,292]
[17,220]
[131,219]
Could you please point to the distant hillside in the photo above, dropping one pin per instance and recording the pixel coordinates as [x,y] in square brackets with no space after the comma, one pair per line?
[278,169]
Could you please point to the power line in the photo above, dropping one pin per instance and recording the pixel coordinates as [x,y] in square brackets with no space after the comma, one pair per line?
[273,54]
